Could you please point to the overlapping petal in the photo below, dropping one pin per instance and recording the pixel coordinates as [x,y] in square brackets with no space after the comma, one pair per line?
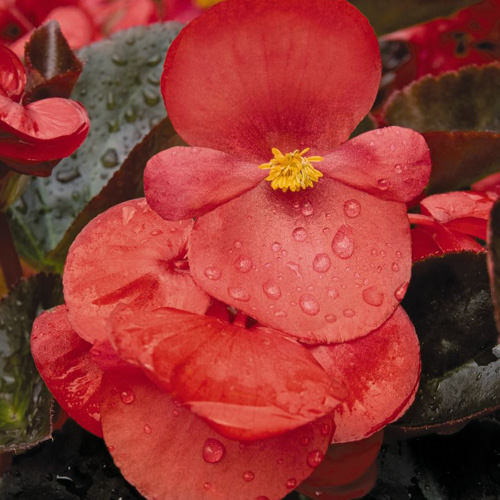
[65,364]
[155,442]
[392,163]
[280,77]
[381,371]
[326,265]
[248,383]
[12,74]
[181,183]
[128,254]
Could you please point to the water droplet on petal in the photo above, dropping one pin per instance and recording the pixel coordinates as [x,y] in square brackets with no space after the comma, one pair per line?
[383,184]
[299,234]
[321,263]
[207,486]
[248,476]
[349,313]
[212,273]
[272,290]
[342,244]
[395,267]
[237,244]
[280,314]
[325,429]
[352,208]
[147,429]
[309,304]
[332,293]
[243,264]
[307,208]
[330,318]
[291,483]
[213,451]
[295,268]
[275,246]
[373,296]
[401,291]
[398,168]
[314,458]
[127,397]
[239,293]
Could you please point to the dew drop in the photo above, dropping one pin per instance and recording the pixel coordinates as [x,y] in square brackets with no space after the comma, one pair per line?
[395,267]
[175,413]
[248,476]
[392,147]
[156,232]
[127,397]
[67,175]
[309,304]
[213,451]
[110,158]
[342,243]
[272,290]
[299,234]
[243,264]
[127,214]
[332,293]
[373,296]
[280,314]
[321,263]
[291,483]
[330,318]
[401,291]
[147,429]
[398,168]
[295,268]
[207,486]
[383,184]
[151,98]
[325,429]
[305,440]
[307,208]
[212,273]
[399,254]
[352,208]
[239,293]
[349,313]
[276,246]
[314,458]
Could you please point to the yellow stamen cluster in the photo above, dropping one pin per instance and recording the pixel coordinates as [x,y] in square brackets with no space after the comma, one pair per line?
[292,171]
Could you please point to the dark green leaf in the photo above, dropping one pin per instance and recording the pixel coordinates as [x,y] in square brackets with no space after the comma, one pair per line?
[119,86]
[494,258]
[459,116]
[365,125]
[25,402]
[391,15]
[450,305]
[52,67]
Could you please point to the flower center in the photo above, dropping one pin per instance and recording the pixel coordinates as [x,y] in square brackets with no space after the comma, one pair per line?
[292,171]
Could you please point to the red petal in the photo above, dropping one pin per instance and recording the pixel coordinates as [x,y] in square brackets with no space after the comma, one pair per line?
[392,163]
[327,264]
[12,74]
[251,384]
[127,254]
[381,371]
[43,130]
[64,362]
[167,452]
[247,76]
[345,462]
[181,183]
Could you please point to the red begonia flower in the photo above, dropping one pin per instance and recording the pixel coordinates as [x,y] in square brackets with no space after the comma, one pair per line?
[155,441]
[127,254]
[64,361]
[248,383]
[41,131]
[381,372]
[470,36]
[451,222]
[325,264]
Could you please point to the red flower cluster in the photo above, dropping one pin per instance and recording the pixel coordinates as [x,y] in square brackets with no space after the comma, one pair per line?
[85,21]
[38,132]
[239,346]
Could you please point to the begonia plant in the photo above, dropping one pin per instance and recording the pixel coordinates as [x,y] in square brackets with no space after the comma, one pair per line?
[315,283]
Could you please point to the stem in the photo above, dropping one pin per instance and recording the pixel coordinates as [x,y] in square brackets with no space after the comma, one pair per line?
[9,260]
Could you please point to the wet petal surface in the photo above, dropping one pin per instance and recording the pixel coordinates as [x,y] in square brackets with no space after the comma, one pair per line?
[327,264]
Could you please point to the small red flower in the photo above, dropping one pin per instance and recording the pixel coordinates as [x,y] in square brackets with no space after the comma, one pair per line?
[322,251]
[33,136]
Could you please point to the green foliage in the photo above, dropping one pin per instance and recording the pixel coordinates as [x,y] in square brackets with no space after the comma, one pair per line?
[25,402]
[119,86]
